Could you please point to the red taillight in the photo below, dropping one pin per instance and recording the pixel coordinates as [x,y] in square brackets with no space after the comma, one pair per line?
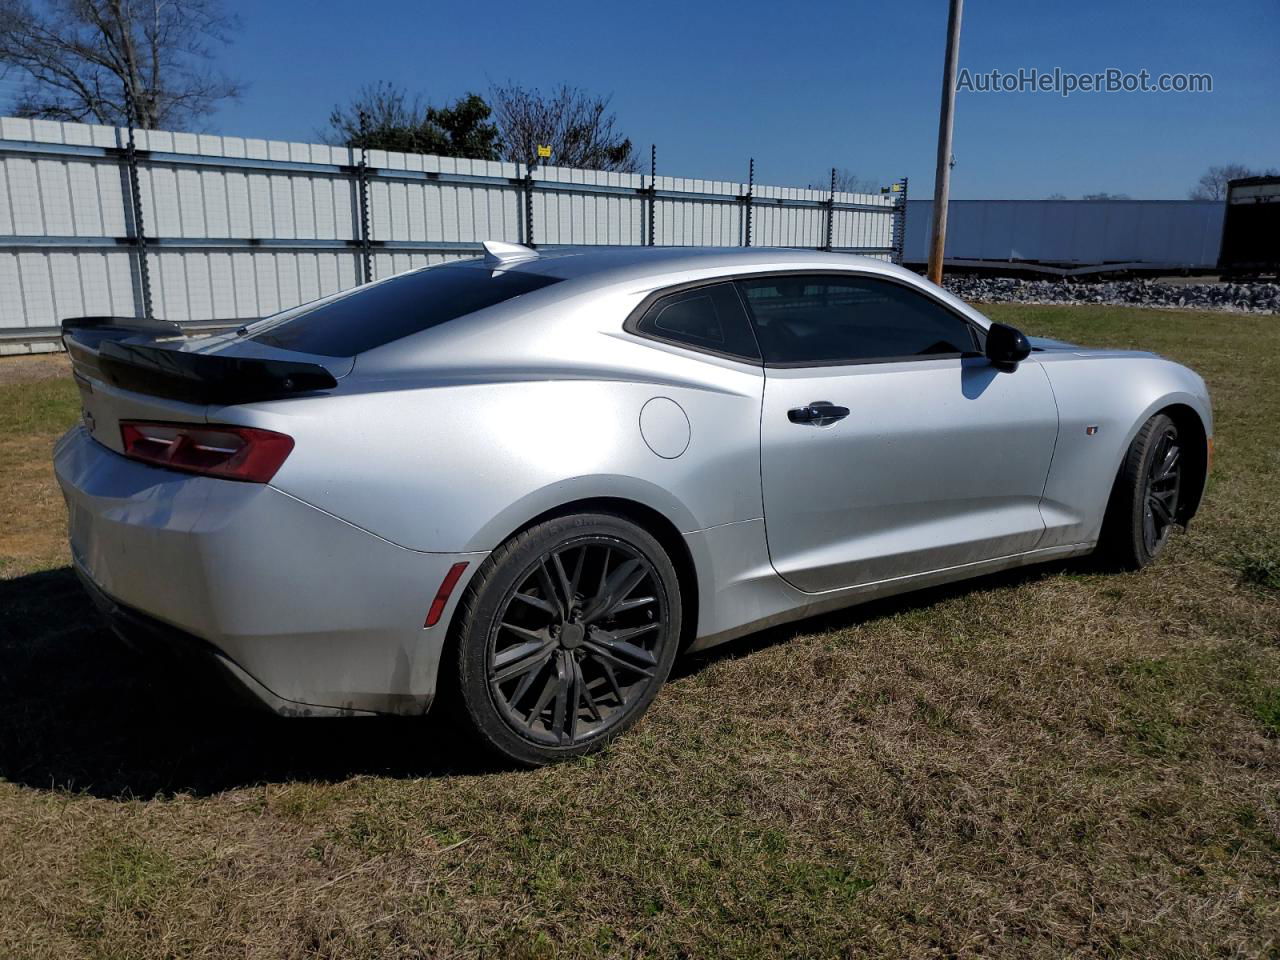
[233,453]
[442,595]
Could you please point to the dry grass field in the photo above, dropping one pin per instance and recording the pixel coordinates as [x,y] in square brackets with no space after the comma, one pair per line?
[1049,763]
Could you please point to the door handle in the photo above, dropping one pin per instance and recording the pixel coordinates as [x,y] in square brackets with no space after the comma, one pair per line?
[820,413]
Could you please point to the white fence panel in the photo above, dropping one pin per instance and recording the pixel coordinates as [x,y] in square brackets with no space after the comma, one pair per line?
[240,228]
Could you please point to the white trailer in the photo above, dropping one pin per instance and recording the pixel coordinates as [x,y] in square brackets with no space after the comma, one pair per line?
[1072,236]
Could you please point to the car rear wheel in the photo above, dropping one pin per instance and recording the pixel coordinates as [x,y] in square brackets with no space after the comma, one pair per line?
[565,636]
[1145,501]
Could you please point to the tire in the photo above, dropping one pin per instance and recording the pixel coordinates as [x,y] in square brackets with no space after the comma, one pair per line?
[519,657]
[1145,501]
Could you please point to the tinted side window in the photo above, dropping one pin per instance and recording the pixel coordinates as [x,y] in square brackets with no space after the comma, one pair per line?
[706,318]
[371,316]
[829,319]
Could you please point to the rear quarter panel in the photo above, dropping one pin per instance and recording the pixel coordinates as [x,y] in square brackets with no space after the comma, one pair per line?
[459,462]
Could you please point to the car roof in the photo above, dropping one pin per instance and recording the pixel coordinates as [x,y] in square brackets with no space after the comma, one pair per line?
[606,266]
[631,273]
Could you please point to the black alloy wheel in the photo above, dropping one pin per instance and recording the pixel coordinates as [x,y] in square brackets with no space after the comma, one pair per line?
[1164,482]
[565,636]
[577,640]
[1145,502]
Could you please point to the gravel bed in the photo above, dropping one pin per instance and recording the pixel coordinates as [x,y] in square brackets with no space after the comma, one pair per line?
[1244,297]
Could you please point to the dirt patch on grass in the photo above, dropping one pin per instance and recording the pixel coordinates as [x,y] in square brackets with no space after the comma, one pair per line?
[33,367]
[1057,761]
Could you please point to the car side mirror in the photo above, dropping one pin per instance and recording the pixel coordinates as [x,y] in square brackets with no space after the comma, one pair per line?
[1006,346]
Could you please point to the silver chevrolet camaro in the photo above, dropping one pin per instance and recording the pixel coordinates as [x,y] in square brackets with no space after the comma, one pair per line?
[521,484]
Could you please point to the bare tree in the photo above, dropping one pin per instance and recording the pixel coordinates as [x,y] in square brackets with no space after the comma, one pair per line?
[84,60]
[384,117]
[374,107]
[576,125]
[1213,184]
[1106,196]
[846,182]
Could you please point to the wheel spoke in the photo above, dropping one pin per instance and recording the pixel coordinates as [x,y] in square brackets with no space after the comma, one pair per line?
[586,693]
[548,587]
[635,603]
[623,586]
[545,606]
[548,691]
[620,583]
[1160,510]
[612,678]
[1169,464]
[573,675]
[604,570]
[526,682]
[623,655]
[562,695]
[566,590]
[617,638]
[576,580]
[521,658]
[533,635]
[1157,455]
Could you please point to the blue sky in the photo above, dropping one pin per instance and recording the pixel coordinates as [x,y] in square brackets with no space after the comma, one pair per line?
[804,86]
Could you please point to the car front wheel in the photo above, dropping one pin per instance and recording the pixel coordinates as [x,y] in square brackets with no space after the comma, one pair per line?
[565,636]
[1145,501]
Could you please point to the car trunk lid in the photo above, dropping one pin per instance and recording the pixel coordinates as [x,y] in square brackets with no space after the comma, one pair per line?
[136,370]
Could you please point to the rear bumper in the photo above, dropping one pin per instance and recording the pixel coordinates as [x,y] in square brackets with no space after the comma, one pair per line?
[190,661]
[309,613]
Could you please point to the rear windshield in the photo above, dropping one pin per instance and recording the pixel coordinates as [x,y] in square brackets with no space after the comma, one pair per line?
[382,312]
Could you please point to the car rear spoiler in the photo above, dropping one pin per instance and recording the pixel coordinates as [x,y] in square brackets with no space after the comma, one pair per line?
[133,355]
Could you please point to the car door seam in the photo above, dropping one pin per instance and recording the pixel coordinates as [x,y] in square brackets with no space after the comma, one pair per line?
[1057,435]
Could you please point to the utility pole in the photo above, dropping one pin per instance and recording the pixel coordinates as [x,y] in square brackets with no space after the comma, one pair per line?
[946,119]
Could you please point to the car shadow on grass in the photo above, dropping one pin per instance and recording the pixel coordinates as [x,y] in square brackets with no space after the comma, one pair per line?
[872,610]
[81,712]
